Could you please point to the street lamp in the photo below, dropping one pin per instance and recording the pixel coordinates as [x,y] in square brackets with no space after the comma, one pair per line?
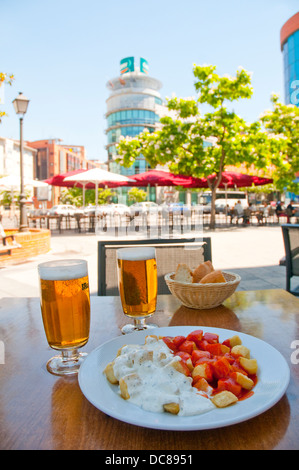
[21,104]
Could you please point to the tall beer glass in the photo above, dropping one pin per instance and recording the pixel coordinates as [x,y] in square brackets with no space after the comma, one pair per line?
[65,306]
[138,283]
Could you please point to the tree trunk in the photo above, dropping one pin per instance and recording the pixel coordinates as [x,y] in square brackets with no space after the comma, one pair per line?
[213,208]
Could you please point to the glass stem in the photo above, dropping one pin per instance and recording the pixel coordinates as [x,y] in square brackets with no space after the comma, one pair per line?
[140,323]
[69,355]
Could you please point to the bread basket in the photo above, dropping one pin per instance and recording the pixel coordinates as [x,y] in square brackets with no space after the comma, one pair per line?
[203,296]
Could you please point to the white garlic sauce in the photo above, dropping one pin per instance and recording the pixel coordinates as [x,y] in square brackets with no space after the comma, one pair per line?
[152,381]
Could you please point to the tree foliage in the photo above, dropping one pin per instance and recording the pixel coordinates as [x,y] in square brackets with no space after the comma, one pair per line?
[283,124]
[136,195]
[5,78]
[74,196]
[192,143]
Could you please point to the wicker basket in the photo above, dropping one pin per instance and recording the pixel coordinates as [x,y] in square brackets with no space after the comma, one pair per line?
[203,296]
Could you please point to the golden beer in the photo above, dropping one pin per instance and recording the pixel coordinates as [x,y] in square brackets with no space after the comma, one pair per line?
[137,274]
[65,303]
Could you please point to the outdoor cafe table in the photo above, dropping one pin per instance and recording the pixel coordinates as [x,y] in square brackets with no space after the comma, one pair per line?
[43,411]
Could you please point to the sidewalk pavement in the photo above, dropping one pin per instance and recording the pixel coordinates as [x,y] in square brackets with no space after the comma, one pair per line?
[251,252]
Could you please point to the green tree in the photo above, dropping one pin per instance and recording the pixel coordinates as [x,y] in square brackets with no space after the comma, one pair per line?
[74,196]
[5,78]
[136,195]
[201,145]
[283,123]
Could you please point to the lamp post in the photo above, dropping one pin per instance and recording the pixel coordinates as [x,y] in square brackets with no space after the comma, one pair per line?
[21,104]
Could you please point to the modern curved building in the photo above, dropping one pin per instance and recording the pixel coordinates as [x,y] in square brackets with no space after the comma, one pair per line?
[134,103]
[289,42]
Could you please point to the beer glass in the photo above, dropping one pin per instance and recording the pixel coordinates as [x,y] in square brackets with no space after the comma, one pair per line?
[65,307]
[138,283]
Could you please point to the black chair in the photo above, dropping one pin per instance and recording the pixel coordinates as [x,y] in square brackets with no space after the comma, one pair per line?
[169,253]
[290,234]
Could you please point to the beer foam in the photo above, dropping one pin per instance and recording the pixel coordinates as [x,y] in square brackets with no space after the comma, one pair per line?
[136,254]
[63,270]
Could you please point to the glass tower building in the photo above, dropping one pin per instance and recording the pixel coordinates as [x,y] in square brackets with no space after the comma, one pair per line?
[289,42]
[134,103]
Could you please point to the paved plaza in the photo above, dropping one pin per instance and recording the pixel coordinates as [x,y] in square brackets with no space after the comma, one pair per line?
[252,252]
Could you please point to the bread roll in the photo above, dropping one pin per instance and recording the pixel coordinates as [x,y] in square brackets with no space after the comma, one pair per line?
[183,273]
[213,277]
[202,270]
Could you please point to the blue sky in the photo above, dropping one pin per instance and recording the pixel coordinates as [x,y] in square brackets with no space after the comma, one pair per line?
[63,52]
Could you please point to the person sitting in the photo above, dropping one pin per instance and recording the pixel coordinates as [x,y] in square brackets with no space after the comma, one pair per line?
[290,211]
[279,209]
[263,213]
[247,214]
[238,212]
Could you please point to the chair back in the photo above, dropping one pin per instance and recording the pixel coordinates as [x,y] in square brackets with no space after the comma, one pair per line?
[169,253]
[291,243]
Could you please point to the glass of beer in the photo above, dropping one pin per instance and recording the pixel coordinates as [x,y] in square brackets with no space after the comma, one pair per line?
[65,306]
[138,284]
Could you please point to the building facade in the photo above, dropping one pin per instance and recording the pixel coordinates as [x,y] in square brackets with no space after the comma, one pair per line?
[52,158]
[10,158]
[289,42]
[134,104]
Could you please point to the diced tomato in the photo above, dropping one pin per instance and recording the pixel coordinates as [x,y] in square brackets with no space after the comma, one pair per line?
[195,336]
[229,384]
[183,355]
[177,340]
[187,346]
[214,348]
[205,360]
[230,358]
[202,344]
[168,340]
[221,368]
[211,338]
[198,354]
[226,343]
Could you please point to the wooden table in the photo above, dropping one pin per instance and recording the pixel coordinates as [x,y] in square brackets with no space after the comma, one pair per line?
[42,411]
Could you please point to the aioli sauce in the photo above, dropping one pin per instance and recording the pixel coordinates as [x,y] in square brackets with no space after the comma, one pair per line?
[153,381]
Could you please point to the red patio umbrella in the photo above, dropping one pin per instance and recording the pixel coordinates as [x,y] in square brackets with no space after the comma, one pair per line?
[231,179]
[58,180]
[163,178]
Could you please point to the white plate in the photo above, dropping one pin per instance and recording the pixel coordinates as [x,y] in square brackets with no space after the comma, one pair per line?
[273,379]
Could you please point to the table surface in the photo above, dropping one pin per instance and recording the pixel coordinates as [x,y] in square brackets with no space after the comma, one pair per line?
[41,411]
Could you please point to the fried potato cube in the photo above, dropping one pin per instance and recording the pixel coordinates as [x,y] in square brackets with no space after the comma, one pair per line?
[250,365]
[124,389]
[120,350]
[224,349]
[172,408]
[234,341]
[132,380]
[109,372]
[202,385]
[223,399]
[243,380]
[240,350]
[181,366]
[151,337]
[143,356]
[202,370]
[189,364]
